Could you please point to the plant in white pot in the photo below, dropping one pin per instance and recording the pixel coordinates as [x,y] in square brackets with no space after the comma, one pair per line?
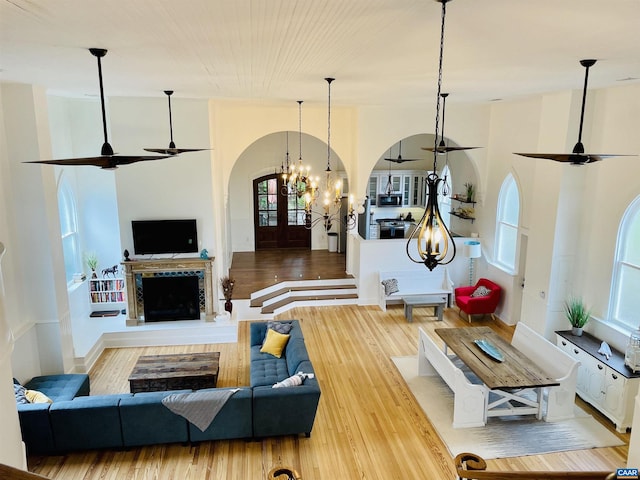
[577,313]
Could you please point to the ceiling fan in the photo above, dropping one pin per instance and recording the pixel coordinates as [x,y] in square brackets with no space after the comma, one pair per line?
[107,159]
[442,148]
[400,159]
[577,156]
[172,150]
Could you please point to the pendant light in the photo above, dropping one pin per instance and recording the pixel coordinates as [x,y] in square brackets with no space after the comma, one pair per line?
[298,178]
[435,245]
[332,188]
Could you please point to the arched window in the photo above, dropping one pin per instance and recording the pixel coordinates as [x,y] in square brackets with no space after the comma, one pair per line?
[69,229]
[444,196]
[507,224]
[624,300]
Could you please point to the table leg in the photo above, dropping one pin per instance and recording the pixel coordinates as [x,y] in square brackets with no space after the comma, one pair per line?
[408,312]
[439,311]
[539,396]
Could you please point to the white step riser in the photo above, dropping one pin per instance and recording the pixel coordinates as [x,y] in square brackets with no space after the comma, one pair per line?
[310,293]
[316,303]
[303,283]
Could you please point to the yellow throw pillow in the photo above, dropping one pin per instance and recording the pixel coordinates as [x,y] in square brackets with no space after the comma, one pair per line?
[35,396]
[275,343]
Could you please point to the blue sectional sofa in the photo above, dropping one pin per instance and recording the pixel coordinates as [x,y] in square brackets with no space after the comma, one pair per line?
[282,411]
[77,421]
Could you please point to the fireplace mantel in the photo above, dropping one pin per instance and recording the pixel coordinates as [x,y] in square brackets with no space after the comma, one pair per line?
[162,265]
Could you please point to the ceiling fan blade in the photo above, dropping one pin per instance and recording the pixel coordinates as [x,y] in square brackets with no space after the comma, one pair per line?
[172,150]
[402,160]
[445,149]
[577,157]
[107,160]
[102,161]
[175,151]
[572,158]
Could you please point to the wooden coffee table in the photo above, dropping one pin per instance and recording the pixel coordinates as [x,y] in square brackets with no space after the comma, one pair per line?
[154,373]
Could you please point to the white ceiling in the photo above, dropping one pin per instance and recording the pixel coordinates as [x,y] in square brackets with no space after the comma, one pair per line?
[379,51]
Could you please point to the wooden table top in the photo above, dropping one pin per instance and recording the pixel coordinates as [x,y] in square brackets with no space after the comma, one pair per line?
[175,365]
[516,371]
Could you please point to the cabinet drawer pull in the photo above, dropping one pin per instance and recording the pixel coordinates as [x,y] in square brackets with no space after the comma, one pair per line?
[564,344]
[614,376]
[575,351]
[600,367]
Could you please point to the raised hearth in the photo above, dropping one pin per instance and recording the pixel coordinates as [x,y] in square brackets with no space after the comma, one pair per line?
[136,270]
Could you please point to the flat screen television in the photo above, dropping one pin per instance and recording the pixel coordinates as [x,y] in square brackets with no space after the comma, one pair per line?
[164,236]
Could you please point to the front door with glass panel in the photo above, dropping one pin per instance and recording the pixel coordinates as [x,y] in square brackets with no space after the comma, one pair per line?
[279,220]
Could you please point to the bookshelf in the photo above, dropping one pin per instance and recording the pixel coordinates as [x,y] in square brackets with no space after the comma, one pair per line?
[107,290]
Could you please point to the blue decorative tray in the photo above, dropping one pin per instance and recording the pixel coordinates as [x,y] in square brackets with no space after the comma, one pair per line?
[490,349]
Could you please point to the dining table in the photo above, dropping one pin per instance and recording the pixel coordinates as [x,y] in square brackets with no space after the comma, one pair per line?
[515,382]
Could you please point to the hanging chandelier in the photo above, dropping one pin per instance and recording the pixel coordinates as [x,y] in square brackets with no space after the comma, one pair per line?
[297,179]
[332,191]
[431,238]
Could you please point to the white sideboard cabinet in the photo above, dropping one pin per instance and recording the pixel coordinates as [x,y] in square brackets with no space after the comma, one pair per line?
[607,384]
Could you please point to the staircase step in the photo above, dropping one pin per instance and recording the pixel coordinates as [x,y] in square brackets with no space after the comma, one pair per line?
[308,297]
[261,297]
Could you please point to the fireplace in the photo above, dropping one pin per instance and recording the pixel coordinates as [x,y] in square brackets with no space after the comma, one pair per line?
[171,298]
[137,270]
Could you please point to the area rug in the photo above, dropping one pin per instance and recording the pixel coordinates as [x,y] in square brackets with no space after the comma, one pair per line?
[502,437]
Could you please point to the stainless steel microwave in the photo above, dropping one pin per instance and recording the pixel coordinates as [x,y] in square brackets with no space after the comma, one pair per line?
[393,200]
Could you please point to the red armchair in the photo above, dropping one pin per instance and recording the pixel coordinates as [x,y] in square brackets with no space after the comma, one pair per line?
[479,305]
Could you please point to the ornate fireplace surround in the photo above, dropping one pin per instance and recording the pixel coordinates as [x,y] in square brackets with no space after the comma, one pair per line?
[134,270]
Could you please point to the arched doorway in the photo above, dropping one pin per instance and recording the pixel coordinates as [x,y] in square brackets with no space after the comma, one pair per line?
[279,219]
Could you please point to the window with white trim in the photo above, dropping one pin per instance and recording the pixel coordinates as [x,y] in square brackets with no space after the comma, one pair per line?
[507,224]
[69,229]
[624,299]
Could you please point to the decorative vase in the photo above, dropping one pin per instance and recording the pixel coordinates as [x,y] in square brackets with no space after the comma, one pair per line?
[93,273]
[576,331]
[228,306]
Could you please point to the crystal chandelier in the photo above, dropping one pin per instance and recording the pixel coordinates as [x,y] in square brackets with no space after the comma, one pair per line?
[332,191]
[431,238]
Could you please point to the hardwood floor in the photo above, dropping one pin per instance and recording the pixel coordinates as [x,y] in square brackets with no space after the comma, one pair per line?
[256,270]
[368,425]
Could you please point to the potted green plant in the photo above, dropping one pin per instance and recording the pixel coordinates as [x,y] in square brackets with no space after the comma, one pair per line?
[471,191]
[577,313]
[92,263]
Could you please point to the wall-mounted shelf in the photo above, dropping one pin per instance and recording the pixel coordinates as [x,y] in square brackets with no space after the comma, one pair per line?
[463,200]
[459,214]
[464,217]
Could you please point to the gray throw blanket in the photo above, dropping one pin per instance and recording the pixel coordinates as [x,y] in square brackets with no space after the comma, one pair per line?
[199,408]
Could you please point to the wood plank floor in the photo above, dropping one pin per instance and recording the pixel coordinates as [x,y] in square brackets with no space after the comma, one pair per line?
[368,425]
[256,270]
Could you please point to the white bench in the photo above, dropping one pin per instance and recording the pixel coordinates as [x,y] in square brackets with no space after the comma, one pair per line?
[557,364]
[469,399]
[414,282]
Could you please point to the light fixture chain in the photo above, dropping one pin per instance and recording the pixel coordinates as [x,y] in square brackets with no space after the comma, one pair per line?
[329,80]
[300,128]
[435,151]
